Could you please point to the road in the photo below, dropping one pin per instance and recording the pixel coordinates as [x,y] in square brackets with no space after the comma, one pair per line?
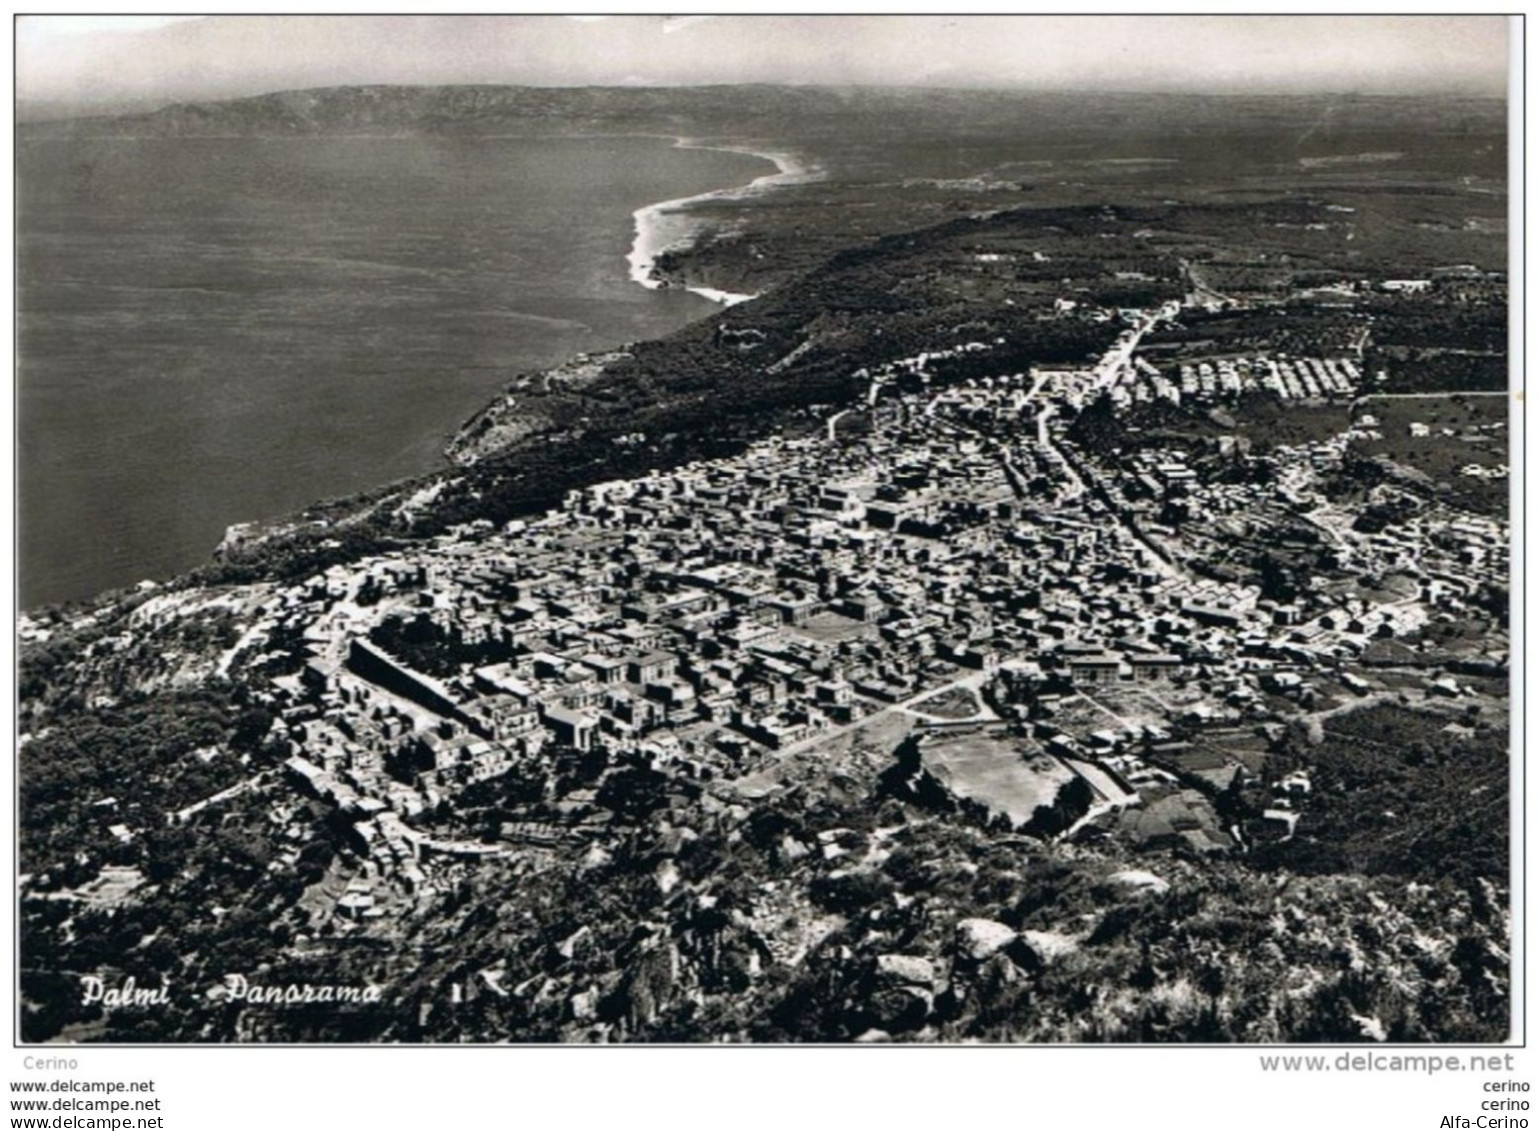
[1080,487]
[778,759]
[1362,342]
[1443,396]
[1115,361]
[1201,292]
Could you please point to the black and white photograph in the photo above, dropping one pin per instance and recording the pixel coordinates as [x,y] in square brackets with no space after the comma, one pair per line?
[760,529]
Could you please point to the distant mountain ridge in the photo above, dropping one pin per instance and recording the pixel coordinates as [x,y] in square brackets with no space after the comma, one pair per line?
[490,109]
[480,109]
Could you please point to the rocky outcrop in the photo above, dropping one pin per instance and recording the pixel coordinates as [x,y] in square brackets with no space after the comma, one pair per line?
[979,939]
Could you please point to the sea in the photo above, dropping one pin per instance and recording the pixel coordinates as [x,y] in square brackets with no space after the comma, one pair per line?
[212,331]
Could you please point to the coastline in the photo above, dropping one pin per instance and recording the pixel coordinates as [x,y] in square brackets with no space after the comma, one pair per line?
[658,227]
[666,225]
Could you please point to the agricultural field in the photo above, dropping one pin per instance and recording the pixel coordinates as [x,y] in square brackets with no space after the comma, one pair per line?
[1447,438]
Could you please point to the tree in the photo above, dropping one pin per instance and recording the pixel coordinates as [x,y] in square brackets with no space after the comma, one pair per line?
[634,793]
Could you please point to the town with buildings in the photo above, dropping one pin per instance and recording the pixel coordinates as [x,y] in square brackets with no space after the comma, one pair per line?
[1051,647]
[1068,638]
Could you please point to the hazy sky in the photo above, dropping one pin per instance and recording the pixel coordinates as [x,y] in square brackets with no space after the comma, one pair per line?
[100,59]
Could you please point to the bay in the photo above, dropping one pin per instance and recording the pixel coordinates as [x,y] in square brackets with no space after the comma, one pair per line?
[218,330]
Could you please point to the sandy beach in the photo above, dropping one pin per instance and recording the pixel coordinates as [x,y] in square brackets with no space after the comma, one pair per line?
[668,224]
